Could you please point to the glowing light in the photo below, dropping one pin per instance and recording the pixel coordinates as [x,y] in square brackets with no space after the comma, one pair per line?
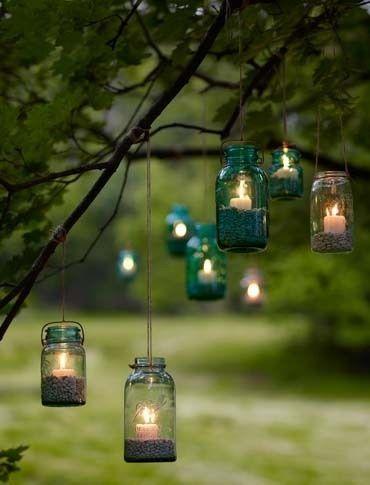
[128,263]
[180,229]
[207,266]
[62,360]
[149,415]
[334,210]
[253,291]
[241,189]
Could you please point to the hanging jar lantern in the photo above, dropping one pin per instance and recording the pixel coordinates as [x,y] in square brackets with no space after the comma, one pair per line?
[253,288]
[127,264]
[205,265]
[180,228]
[150,412]
[331,213]
[285,174]
[242,200]
[63,364]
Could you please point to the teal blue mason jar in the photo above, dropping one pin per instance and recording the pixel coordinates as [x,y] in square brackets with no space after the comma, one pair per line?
[150,412]
[205,265]
[63,364]
[285,174]
[242,200]
[127,264]
[179,229]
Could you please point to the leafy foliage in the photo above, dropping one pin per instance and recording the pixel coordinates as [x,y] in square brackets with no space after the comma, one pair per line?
[9,461]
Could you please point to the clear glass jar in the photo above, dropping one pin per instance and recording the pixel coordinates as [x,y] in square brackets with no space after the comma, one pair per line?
[127,264]
[205,265]
[331,213]
[242,201]
[63,365]
[285,174]
[179,229]
[150,413]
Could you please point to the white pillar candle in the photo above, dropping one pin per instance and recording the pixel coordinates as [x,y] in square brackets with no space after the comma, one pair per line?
[149,431]
[62,371]
[243,202]
[207,274]
[286,171]
[333,222]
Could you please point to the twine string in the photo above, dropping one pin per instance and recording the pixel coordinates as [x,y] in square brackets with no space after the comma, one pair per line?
[343,144]
[283,82]
[241,108]
[149,250]
[59,235]
[317,152]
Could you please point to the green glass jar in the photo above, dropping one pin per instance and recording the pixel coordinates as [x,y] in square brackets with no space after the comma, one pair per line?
[285,174]
[242,200]
[63,364]
[150,413]
[179,229]
[205,265]
[127,264]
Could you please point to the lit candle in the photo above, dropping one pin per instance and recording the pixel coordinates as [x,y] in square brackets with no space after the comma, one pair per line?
[180,229]
[253,291]
[207,274]
[149,430]
[286,171]
[243,201]
[333,222]
[128,264]
[62,371]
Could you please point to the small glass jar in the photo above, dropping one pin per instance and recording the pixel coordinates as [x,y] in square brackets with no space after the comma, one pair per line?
[63,364]
[331,213]
[205,265]
[179,228]
[242,201]
[150,413]
[285,174]
[127,264]
[253,288]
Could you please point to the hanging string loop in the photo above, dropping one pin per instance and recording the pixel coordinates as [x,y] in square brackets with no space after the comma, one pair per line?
[343,144]
[317,151]
[149,248]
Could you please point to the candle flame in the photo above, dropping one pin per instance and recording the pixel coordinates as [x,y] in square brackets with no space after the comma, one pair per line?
[62,360]
[128,263]
[333,211]
[180,229]
[148,414]
[253,291]
[241,189]
[286,160]
[207,266]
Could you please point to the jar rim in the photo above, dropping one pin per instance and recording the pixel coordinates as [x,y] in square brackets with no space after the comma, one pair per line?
[63,332]
[331,173]
[144,362]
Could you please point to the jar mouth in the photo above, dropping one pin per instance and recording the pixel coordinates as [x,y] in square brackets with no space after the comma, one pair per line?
[179,208]
[287,150]
[331,173]
[240,152]
[63,333]
[144,362]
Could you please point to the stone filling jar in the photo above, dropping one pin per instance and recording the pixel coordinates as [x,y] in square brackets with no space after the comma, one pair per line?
[179,229]
[331,213]
[242,200]
[285,174]
[205,265]
[149,412]
[63,365]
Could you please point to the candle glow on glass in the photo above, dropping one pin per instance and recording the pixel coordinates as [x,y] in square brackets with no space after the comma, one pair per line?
[149,430]
[333,222]
[63,371]
[180,229]
[128,264]
[207,274]
[243,201]
[286,171]
[253,291]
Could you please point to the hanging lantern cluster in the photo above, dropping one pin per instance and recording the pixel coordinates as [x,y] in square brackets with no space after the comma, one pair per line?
[205,265]
[150,412]
[285,174]
[63,364]
[331,213]
[242,200]
[253,288]
[180,228]
[127,264]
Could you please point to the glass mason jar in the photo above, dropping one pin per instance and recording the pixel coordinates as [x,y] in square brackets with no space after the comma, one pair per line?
[150,413]
[127,264]
[331,213]
[205,265]
[285,174]
[242,201]
[179,228]
[63,364]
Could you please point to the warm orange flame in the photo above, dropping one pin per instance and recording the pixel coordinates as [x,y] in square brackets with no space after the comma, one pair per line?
[333,211]
[207,266]
[241,189]
[148,415]
[253,291]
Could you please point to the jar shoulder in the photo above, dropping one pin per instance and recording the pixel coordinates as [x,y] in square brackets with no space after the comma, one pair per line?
[140,377]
